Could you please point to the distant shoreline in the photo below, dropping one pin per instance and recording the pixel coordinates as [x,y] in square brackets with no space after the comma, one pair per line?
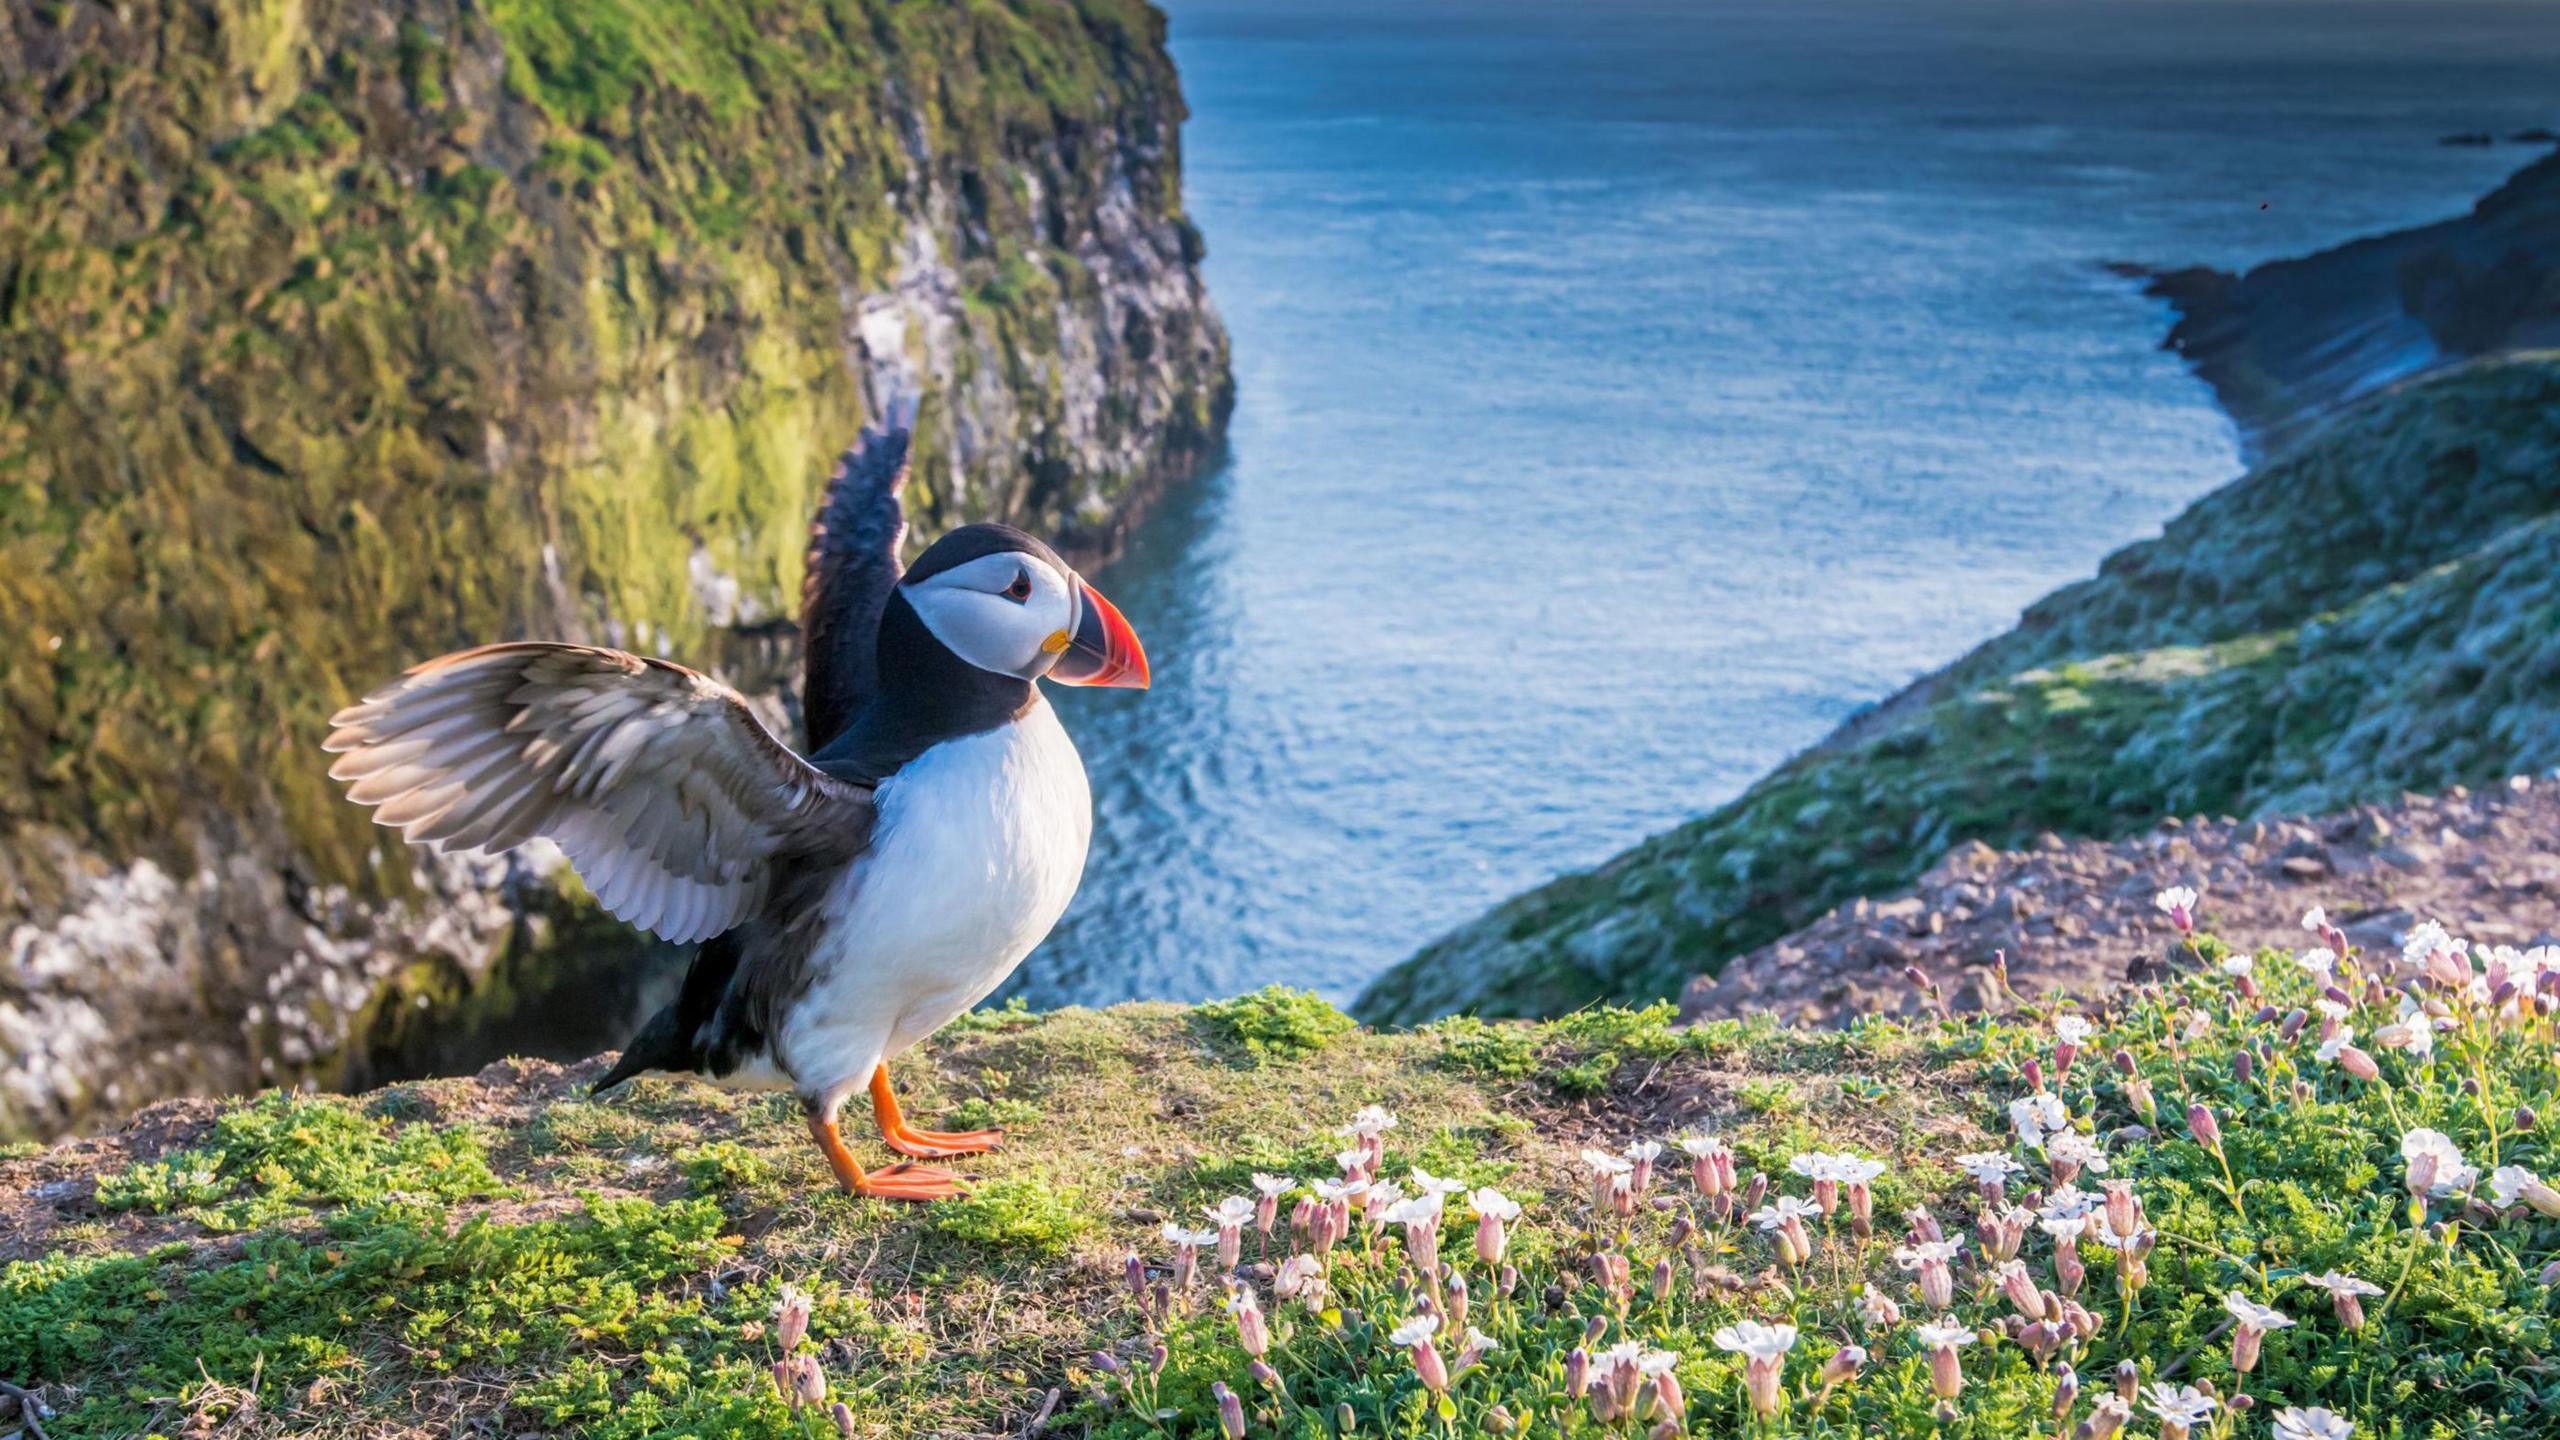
[2289,344]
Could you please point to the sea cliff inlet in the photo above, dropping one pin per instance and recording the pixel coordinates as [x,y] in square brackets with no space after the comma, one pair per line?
[1568,337]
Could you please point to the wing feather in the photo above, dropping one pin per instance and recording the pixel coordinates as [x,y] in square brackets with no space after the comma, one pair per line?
[660,785]
[852,565]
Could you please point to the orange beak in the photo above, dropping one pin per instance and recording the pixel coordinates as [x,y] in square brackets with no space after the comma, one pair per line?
[1103,650]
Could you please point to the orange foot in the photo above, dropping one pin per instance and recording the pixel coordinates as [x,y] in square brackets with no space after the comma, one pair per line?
[897,1182]
[927,1144]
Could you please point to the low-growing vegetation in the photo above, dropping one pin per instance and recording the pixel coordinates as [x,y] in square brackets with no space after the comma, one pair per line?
[2302,1195]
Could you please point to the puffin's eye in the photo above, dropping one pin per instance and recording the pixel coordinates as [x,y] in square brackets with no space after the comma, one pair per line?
[1020,590]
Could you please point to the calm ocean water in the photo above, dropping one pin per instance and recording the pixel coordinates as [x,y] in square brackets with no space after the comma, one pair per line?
[1628,391]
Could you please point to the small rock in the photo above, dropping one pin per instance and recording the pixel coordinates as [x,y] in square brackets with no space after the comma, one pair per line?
[2304,867]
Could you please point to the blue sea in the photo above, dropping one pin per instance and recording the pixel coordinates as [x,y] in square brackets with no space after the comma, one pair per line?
[1627,392]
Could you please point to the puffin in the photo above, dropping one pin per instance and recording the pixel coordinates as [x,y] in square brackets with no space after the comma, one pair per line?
[845,902]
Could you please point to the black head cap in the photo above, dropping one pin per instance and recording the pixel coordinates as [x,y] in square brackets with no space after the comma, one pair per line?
[971,542]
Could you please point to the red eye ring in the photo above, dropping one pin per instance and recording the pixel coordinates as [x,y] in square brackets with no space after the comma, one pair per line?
[1020,590]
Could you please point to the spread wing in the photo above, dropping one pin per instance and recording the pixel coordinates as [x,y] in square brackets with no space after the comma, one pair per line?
[666,792]
[852,565]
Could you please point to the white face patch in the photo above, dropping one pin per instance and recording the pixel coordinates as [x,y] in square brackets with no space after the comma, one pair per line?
[998,611]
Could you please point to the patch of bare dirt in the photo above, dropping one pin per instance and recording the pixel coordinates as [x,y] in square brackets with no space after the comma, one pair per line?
[2076,916]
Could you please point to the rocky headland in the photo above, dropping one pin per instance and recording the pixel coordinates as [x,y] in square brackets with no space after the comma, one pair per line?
[333,336]
[2291,344]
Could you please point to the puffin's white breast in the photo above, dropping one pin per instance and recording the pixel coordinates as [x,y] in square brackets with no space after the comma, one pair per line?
[978,847]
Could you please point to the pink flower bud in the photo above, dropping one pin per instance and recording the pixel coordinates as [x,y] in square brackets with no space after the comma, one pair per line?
[842,1415]
[1843,1365]
[2105,1418]
[2202,1125]
[1230,1411]
[791,1320]
[1577,1372]
[1433,1370]
[809,1384]
[2353,1060]
[2066,1390]
[1946,1372]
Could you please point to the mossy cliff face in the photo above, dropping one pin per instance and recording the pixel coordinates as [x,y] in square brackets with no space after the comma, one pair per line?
[334,335]
[2378,611]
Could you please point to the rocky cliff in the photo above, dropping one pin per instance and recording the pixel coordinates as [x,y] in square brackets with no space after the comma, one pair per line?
[2292,343]
[338,333]
[2378,610]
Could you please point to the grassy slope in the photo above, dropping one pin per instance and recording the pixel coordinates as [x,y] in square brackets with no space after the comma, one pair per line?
[508,1252]
[320,323]
[2378,611]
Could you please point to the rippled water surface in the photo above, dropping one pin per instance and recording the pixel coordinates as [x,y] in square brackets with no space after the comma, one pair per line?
[1629,391]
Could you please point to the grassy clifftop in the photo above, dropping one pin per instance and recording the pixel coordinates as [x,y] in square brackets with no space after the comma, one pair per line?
[503,1255]
[339,334]
[2377,611]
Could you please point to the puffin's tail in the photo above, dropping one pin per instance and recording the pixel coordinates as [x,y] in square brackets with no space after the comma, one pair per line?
[668,1041]
[659,1046]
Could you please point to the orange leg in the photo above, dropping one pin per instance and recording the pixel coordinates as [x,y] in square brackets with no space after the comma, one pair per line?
[908,1140]
[898,1182]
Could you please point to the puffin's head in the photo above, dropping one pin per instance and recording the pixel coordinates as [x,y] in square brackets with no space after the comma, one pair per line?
[1006,603]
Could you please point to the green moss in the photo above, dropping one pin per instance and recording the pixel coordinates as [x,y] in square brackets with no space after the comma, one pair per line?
[1016,1213]
[1278,1022]
[329,345]
[282,1153]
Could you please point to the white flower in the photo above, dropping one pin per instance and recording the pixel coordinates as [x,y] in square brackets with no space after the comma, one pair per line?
[1383,1196]
[2176,898]
[2452,1176]
[1478,1343]
[1604,1163]
[2315,1423]
[1369,1120]
[2073,1029]
[1788,1207]
[2333,1009]
[2078,1149]
[1415,1330]
[1662,1362]
[2254,1315]
[1760,1342]
[2036,1114]
[2429,939]
[1330,1191]
[1490,1201]
[2238,963]
[1700,1146]
[2329,1048]
[1988,1167]
[2067,1202]
[2507,1182]
[1422,1209]
[1643,1150]
[1946,1330]
[2319,962]
[1430,1184]
[1856,1170]
[2181,1404]
[1274,1184]
[1232,1212]
[1926,1252]
[2315,919]
[2340,1284]
[1181,1238]
[2064,1227]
